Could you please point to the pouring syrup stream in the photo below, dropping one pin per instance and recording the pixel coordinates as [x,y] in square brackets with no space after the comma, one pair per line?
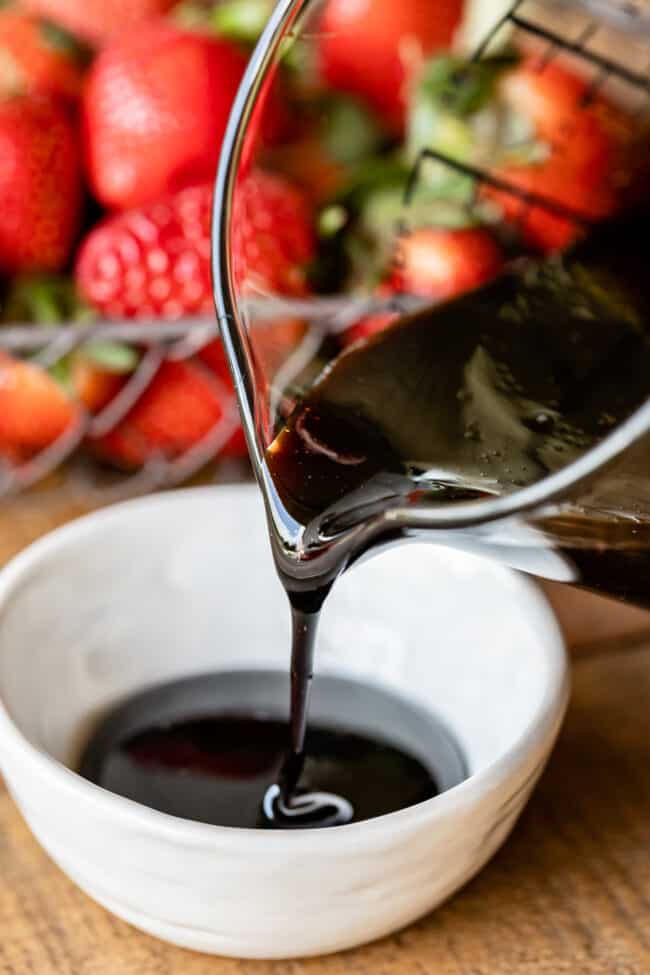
[470,400]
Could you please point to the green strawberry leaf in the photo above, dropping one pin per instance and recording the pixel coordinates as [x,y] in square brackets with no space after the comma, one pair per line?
[456,111]
[44,298]
[241,20]
[64,42]
[461,87]
[370,175]
[111,356]
[349,132]
[61,373]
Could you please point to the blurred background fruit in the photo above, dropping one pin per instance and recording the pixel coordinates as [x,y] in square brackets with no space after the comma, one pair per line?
[180,407]
[96,21]
[40,184]
[151,261]
[374,48]
[38,56]
[34,410]
[155,108]
[358,179]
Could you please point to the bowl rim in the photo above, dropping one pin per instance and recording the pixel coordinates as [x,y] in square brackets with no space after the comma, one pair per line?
[544,720]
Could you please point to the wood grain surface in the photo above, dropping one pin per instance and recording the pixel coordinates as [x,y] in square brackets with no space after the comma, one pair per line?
[569,893]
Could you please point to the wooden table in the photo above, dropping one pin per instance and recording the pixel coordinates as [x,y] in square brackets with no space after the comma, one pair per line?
[569,893]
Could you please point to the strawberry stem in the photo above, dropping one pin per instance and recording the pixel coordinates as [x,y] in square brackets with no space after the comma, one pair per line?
[43,298]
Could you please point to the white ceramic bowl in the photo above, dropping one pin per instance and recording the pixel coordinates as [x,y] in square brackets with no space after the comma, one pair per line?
[183,583]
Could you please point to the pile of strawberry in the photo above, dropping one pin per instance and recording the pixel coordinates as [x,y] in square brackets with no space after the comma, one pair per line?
[111,121]
[112,114]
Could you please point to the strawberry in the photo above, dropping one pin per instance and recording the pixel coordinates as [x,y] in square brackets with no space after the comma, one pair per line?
[582,128]
[441,263]
[435,263]
[94,387]
[177,410]
[34,410]
[98,20]
[155,109]
[98,371]
[542,227]
[37,56]
[585,166]
[40,184]
[373,48]
[368,326]
[155,261]
[533,125]
[307,164]
[272,235]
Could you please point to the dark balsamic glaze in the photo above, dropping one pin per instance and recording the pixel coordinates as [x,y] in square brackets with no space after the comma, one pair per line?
[217,769]
[476,398]
[164,750]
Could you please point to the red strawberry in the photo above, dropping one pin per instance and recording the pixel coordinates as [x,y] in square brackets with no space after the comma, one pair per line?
[541,227]
[36,56]
[40,184]
[180,407]
[94,387]
[368,326]
[34,410]
[309,166]
[587,141]
[155,110]
[155,261]
[441,263]
[435,263]
[582,128]
[98,20]
[273,236]
[372,48]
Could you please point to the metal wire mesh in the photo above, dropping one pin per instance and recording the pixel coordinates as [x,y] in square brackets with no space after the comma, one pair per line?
[161,341]
[47,345]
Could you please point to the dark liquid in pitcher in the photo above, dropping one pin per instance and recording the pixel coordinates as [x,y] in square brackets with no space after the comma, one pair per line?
[484,395]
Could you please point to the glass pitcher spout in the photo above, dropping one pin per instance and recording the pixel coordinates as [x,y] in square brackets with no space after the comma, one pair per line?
[391,390]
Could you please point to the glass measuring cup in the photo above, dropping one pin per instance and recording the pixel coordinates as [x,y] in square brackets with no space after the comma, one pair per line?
[588,520]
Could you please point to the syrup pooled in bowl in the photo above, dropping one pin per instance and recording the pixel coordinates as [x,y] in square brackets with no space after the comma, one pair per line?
[182,748]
